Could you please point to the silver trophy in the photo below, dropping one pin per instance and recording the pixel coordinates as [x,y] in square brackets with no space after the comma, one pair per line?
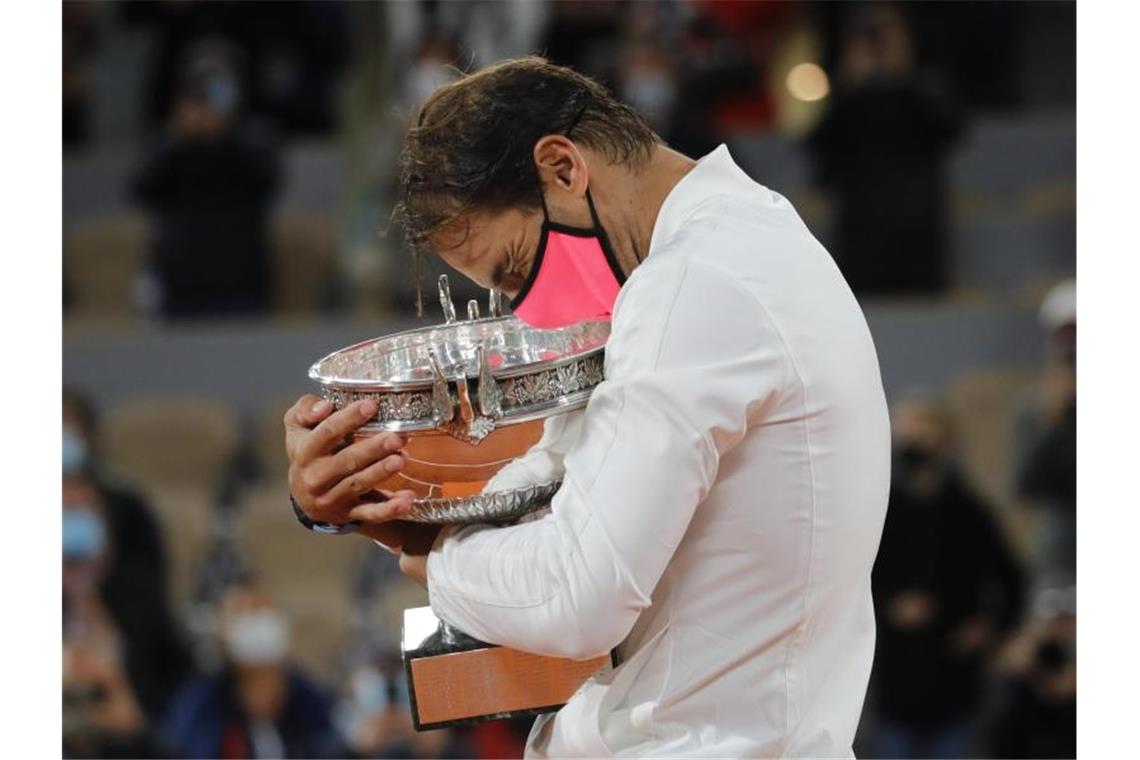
[472,395]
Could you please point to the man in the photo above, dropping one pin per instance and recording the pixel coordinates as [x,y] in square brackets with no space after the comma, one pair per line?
[723,503]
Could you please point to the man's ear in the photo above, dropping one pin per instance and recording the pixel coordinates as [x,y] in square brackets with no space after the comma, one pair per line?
[561,165]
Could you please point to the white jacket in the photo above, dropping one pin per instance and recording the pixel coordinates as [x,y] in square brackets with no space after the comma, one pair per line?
[722,505]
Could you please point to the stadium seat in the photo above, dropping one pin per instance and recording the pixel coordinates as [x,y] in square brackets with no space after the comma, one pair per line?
[172,441]
[186,518]
[101,260]
[305,261]
[984,403]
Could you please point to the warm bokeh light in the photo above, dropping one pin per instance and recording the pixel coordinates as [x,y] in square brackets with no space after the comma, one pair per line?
[808,82]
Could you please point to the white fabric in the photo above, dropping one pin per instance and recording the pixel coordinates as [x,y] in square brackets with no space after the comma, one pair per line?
[722,506]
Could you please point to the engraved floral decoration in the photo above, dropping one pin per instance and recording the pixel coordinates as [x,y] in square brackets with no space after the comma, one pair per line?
[517,393]
[500,506]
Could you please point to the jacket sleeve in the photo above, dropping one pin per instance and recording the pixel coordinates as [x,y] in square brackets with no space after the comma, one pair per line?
[545,461]
[692,363]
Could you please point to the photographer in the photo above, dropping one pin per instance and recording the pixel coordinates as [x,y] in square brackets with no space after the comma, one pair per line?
[209,188]
[1035,711]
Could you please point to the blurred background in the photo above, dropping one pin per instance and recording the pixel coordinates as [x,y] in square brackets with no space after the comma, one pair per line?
[227,184]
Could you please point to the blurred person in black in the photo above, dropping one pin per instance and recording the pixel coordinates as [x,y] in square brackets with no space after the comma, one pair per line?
[881,147]
[586,36]
[260,705]
[131,579]
[79,43]
[102,715]
[714,68]
[1034,710]
[295,53]
[945,587]
[209,187]
[1046,442]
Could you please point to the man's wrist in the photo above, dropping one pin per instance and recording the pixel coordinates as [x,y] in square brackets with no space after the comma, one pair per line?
[324,528]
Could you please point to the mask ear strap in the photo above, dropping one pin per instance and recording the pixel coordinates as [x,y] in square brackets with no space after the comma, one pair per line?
[542,200]
[593,212]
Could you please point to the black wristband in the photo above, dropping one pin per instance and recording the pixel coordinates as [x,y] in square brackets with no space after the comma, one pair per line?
[324,528]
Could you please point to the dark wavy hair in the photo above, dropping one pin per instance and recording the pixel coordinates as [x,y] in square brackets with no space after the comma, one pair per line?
[472,146]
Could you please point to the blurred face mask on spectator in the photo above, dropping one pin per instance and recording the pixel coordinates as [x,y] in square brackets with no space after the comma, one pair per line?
[919,467]
[652,93]
[75,454]
[84,537]
[426,76]
[257,637]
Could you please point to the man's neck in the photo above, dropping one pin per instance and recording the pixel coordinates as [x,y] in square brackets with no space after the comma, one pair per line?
[629,201]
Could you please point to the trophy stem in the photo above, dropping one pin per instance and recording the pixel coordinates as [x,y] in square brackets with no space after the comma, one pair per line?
[449,634]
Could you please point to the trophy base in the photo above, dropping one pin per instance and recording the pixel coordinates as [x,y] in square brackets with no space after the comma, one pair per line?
[454,679]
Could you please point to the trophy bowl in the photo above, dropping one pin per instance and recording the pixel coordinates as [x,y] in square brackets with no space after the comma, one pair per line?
[472,396]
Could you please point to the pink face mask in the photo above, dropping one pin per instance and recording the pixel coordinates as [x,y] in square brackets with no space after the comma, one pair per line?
[575,276]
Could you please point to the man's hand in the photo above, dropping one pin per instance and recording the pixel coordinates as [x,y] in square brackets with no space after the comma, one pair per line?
[334,482]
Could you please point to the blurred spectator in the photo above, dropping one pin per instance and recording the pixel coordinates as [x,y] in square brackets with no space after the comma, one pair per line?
[101,712]
[1035,709]
[1046,444]
[647,83]
[208,186]
[881,147]
[434,65]
[585,36]
[79,41]
[754,31]
[295,53]
[946,586]
[118,581]
[134,530]
[714,69]
[101,717]
[376,718]
[259,705]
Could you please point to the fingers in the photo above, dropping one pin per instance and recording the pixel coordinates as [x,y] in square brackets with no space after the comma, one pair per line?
[358,484]
[334,429]
[355,458]
[397,505]
[301,417]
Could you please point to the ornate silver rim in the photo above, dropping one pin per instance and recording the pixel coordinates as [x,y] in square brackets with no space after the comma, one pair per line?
[500,506]
[522,397]
[467,378]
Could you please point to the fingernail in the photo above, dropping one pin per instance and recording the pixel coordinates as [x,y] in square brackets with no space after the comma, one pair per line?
[321,407]
[367,409]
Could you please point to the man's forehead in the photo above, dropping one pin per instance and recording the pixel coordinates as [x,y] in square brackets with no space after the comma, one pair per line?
[469,236]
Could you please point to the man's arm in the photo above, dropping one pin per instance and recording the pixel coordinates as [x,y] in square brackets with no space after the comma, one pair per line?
[691,365]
